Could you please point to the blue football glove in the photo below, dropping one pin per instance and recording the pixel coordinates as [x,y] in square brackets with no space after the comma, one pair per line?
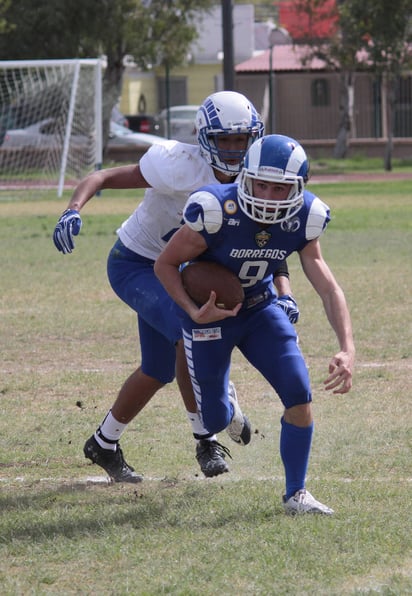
[289,305]
[69,225]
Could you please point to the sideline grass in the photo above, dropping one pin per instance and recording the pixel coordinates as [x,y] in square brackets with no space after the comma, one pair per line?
[67,344]
[358,163]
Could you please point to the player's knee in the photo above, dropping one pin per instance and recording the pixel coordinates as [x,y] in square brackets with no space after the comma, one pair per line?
[163,376]
[217,417]
[299,415]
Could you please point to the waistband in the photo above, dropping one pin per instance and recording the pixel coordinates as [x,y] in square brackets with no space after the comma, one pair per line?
[119,249]
[257,299]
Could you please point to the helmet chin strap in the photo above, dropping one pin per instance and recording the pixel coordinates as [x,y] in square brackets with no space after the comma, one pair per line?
[228,169]
[224,177]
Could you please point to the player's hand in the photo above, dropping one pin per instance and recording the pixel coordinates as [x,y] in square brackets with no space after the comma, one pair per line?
[209,312]
[69,225]
[340,373]
[289,305]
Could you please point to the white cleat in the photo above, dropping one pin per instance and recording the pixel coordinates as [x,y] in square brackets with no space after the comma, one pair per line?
[303,502]
[239,429]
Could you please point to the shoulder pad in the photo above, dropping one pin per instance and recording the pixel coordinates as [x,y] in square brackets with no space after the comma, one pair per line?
[203,212]
[318,219]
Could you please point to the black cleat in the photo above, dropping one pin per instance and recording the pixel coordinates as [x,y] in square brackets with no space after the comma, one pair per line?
[211,457]
[112,462]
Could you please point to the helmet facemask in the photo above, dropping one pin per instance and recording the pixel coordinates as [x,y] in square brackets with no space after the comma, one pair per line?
[265,210]
[219,158]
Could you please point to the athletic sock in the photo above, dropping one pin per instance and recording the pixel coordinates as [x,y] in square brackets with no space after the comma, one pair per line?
[295,443]
[197,426]
[207,437]
[109,432]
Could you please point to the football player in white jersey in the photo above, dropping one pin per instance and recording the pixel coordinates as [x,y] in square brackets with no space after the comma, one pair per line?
[227,124]
[249,227]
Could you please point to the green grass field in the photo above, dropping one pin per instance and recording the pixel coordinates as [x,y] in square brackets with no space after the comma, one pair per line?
[67,344]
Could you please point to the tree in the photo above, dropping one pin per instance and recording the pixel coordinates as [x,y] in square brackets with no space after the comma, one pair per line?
[333,37]
[383,30]
[4,5]
[153,31]
[386,36]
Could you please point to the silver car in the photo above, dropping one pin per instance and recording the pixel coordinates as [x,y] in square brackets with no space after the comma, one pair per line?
[125,145]
[182,123]
[45,134]
[38,139]
[120,136]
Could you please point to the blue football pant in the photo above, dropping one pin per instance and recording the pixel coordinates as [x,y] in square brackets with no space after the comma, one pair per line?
[268,341]
[133,280]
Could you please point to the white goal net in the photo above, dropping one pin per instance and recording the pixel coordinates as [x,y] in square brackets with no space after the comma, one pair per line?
[50,123]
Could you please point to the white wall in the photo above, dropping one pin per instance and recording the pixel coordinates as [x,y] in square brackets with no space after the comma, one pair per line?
[210,43]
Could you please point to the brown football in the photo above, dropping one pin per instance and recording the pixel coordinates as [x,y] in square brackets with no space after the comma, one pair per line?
[200,277]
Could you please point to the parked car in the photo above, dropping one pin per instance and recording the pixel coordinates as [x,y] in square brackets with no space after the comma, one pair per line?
[143,123]
[122,136]
[123,144]
[182,123]
[43,134]
[118,117]
[126,145]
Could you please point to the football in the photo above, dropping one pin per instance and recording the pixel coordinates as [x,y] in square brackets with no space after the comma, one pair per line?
[201,277]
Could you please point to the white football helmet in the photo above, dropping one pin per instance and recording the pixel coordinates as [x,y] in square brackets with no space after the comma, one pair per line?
[223,113]
[273,158]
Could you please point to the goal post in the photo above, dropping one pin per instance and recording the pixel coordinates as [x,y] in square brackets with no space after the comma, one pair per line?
[50,123]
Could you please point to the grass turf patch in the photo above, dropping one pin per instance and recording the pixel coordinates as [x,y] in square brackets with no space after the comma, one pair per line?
[67,345]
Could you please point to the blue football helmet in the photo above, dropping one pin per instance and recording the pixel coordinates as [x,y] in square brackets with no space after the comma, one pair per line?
[273,158]
[223,113]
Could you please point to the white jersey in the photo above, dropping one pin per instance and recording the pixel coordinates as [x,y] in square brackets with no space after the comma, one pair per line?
[174,171]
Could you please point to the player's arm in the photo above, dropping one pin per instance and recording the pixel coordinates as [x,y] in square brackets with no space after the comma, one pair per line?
[121,177]
[70,223]
[281,279]
[286,301]
[334,303]
[186,245]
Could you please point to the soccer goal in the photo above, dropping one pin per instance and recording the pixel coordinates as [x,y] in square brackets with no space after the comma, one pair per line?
[50,123]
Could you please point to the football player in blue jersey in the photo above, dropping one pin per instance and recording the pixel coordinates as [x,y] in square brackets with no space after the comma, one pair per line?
[250,227]
[227,123]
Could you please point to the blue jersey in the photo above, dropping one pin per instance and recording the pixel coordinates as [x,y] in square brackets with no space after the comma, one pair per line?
[251,250]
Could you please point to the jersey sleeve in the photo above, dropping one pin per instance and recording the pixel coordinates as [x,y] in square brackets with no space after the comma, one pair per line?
[156,167]
[203,213]
[174,167]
